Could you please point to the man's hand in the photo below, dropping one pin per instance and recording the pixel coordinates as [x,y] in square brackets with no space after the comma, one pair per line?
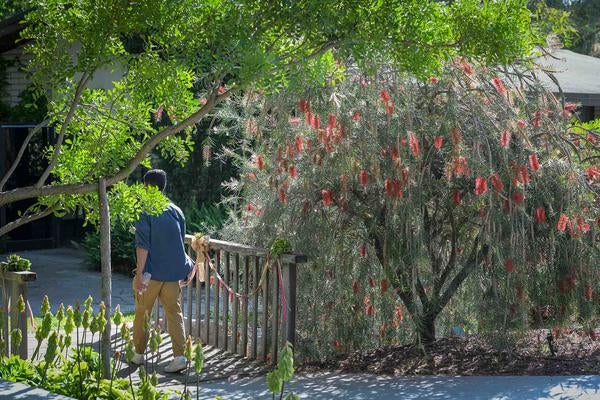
[138,284]
[189,278]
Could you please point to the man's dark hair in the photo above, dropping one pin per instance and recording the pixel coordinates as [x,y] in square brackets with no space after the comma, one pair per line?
[156,177]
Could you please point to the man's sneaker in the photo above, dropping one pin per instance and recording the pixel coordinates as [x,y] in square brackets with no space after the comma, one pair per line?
[178,364]
[138,359]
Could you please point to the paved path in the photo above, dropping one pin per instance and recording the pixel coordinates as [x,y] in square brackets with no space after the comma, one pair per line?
[368,387]
[65,277]
[17,391]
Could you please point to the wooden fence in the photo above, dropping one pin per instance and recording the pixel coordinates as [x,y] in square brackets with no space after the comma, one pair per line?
[14,284]
[252,311]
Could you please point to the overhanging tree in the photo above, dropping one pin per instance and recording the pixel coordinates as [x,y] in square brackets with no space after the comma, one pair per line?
[473,174]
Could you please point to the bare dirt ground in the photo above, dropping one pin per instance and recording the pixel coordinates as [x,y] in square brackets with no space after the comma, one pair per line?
[576,353]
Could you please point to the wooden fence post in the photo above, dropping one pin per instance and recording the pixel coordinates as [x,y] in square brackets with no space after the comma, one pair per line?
[17,282]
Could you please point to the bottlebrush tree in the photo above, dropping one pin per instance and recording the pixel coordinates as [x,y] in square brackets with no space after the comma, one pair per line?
[410,188]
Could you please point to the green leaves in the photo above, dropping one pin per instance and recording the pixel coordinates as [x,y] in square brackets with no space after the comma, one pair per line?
[284,371]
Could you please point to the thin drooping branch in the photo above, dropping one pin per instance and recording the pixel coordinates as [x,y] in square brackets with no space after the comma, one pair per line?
[80,188]
[440,280]
[12,168]
[25,220]
[80,86]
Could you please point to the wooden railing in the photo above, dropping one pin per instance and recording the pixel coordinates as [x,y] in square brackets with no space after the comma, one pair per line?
[13,285]
[254,324]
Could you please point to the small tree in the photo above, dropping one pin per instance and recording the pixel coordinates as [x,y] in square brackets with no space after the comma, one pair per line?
[474,173]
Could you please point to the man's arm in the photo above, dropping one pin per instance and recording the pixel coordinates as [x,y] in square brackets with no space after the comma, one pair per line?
[142,244]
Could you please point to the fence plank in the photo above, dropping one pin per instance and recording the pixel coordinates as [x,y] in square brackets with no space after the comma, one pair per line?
[198,303]
[254,351]
[226,302]
[207,303]
[217,300]
[235,304]
[244,345]
[265,315]
[275,316]
[289,279]
[189,300]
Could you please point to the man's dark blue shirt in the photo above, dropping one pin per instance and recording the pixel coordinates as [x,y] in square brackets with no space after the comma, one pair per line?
[163,236]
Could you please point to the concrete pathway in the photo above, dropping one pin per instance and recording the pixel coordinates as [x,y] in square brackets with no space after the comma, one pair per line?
[369,387]
[65,277]
[17,391]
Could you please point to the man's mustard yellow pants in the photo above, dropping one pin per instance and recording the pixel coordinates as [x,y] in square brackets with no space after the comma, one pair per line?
[168,293]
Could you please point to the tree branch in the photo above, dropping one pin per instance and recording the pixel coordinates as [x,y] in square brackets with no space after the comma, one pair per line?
[80,188]
[80,86]
[25,220]
[12,168]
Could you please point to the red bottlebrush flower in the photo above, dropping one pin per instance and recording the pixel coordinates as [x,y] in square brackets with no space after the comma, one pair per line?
[438,142]
[506,205]
[282,196]
[337,345]
[290,151]
[434,80]
[520,292]
[505,138]
[383,330]
[221,89]
[388,185]
[260,162]
[523,175]
[563,220]
[415,145]
[316,122]
[304,106]
[294,121]
[356,116]
[588,292]
[306,207]
[540,215]
[293,171]
[456,136]
[326,197]
[385,96]
[534,163]
[582,225]
[355,286]
[566,114]
[499,85]
[497,182]
[591,138]
[398,314]
[456,197]
[460,166]
[212,280]
[521,123]
[384,285]
[371,282]
[394,153]
[203,101]
[480,185]
[331,121]
[362,250]
[250,207]
[259,212]
[299,143]
[593,173]
[537,119]
[467,69]
[570,107]
[308,117]
[508,265]
[389,108]
[363,177]
[369,310]
[518,197]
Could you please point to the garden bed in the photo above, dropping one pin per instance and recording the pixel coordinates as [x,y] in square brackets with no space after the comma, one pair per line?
[576,354]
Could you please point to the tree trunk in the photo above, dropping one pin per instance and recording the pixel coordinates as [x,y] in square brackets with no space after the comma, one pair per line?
[426,329]
[106,288]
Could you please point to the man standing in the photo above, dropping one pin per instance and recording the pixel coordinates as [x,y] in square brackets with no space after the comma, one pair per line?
[160,251]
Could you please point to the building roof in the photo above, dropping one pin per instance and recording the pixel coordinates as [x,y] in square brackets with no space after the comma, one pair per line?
[577,74]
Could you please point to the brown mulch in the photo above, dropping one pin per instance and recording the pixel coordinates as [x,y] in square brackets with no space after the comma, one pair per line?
[576,354]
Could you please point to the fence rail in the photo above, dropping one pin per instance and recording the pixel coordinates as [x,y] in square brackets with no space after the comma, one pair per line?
[14,284]
[252,312]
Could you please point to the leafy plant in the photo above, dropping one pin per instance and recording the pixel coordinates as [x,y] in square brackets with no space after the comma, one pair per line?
[122,249]
[206,218]
[15,263]
[283,373]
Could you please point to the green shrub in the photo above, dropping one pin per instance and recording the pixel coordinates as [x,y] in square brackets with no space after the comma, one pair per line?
[122,246]
[15,263]
[206,219]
